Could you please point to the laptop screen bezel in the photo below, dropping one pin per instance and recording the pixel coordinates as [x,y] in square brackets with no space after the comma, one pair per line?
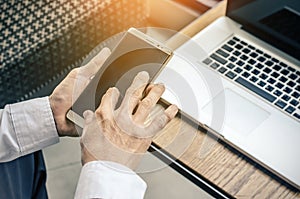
[267,36]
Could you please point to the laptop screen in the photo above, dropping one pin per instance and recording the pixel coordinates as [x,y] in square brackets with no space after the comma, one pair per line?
[276,22]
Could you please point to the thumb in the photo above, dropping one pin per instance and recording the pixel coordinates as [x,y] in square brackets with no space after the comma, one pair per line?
[91,68]
[88,116]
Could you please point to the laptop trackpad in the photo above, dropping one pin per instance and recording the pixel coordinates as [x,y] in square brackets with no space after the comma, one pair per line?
[235,112]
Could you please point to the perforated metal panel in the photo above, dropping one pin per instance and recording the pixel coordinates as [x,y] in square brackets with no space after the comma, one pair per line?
[42,40]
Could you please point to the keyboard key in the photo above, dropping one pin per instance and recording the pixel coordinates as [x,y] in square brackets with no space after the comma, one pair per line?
[269,63]
[255,72]
[293,76]
[236,39]
[222,70]
[237,53]
[261,83]
[291,69]
[286,98]
[251,61]
[227,48]
[275,74]
[230,65]
[267,56]
[259,51]
[277,93]
[231,42]
[279,85]
[207,61]
[246,50]
[244,57]
[267,70]
[277,67]
[231,75]
[294,102]
[251,47]
[291,84]
[218,59]
[261,59]
[297,88]
[280,104]
[246,74]
[214,65]
[248,67]
[298,73]
[269,88]
[287,90]
[253,54]
[282,79]
[259,66]
[271,80]
[298,80]
[263,76]
[275,60]
[238,70]
[283,64]
[296,95]
[253,79]
[238,46]
[290,109]
[240,63]
[222,53]
[255,89]
[244,43]
[232,58]
[284,72]
[297,115]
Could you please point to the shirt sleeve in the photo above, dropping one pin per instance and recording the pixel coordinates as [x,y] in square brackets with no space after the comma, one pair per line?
[26,127]
[103,179]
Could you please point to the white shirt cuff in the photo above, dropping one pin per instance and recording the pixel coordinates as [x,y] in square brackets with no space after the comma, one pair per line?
[33,124]
[103,179]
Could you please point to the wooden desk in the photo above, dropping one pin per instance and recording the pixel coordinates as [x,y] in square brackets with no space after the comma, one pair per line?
[220,164]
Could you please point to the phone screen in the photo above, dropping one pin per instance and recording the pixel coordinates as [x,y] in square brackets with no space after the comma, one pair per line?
[131,55]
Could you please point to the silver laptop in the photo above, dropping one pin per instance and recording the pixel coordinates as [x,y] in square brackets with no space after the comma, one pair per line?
[240,78]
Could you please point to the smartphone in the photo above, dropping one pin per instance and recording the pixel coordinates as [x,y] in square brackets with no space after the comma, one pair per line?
[134,52]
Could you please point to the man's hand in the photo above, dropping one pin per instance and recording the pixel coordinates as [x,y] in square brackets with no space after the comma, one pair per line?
[122,135]
[63,95]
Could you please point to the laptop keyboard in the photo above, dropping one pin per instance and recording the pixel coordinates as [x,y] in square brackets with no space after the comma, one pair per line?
[259,72]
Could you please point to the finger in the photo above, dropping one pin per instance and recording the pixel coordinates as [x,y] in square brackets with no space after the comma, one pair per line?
[91,68]
[88,116]
[147,104]
[108,103]
[162,120]
[148,89]
[135,92]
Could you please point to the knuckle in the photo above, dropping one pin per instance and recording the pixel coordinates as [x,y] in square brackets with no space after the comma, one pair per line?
[74,71]
[100,114]
[135,95]
[129,91]
[82,145]
[161,122]
[146,103]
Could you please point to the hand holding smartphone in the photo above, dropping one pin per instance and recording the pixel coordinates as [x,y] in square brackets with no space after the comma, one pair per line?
[135,52]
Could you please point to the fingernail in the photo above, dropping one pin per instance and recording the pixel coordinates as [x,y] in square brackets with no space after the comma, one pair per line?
[161,85]
[106,50]
[144,73]
[174,109]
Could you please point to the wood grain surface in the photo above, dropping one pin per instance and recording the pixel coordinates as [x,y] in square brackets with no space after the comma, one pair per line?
[221,164]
